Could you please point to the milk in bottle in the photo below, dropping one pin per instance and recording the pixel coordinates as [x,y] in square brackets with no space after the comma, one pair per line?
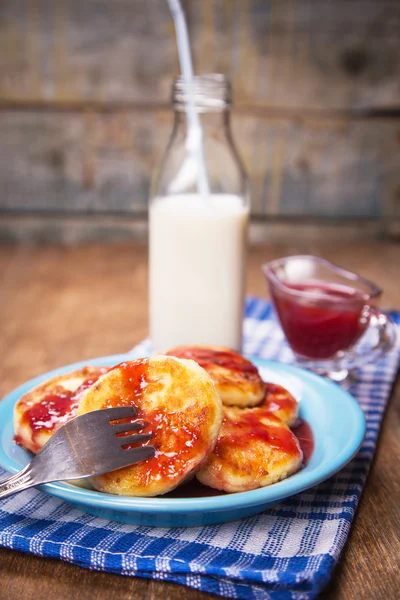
[197,240]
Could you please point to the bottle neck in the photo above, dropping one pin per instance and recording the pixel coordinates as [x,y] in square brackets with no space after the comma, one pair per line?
[211,122]
[211,98]
[206,93]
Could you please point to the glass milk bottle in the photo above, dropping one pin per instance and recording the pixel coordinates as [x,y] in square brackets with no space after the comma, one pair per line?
[197,240]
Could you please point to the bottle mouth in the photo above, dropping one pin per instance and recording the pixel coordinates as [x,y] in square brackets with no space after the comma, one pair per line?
[211,92]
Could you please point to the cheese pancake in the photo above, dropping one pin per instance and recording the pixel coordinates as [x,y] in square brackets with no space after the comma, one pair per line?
[180,407]
[254,449]
[40,412]
[236,378]
[280,403]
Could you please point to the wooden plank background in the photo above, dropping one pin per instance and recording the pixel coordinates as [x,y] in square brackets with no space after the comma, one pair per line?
[84,103]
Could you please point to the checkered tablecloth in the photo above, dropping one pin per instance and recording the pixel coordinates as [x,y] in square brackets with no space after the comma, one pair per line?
[287,552]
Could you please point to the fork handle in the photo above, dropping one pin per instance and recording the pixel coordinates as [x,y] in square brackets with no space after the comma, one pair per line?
[18,482]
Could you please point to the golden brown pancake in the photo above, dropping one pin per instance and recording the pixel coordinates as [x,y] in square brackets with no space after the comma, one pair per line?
[280,403]
[236,378]
[254,449]
[182,410]
[40,412]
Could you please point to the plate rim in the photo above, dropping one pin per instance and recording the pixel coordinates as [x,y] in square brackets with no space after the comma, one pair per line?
[297,483]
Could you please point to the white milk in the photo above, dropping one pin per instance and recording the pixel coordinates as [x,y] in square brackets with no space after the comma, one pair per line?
[197,270]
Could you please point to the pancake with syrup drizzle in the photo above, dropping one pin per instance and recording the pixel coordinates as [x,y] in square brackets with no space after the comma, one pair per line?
[254,449]
[236,378]
[39,413]
[239,382]
[279,402]
[180,407]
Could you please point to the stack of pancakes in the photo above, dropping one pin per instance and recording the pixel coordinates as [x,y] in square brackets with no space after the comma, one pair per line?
[208,411]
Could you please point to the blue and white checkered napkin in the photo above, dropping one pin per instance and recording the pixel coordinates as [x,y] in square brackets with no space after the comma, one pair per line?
[287,552]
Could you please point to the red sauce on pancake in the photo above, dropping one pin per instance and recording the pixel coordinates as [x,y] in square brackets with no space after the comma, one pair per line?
[52,410]
[276,398]
[207,357]
[169,430]
[55,409]
[135,379]
[174,440]
[249,429]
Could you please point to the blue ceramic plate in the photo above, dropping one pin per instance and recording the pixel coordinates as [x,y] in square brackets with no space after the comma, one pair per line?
[335,418]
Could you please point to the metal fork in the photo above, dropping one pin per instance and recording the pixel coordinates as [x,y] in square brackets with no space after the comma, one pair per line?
[85,446]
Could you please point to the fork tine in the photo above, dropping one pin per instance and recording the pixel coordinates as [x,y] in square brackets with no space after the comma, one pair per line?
[132,456]
[120,412]
[124,427]
[142,452]
[134,439]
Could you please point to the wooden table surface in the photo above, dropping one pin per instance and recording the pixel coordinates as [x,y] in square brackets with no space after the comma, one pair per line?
[64,304]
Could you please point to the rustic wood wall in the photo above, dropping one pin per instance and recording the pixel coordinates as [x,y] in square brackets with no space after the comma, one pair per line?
[84,103]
